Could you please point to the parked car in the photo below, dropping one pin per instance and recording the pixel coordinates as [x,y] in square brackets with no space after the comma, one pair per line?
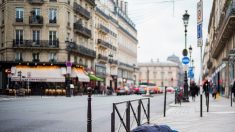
[170,89]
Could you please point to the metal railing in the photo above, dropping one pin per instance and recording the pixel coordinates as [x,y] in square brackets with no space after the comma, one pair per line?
[82,11]
[36,1]
[127,114]
[81,29]
[36,20]
[36,44]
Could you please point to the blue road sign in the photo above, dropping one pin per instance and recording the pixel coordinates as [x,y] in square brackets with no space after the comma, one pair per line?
[185,60]
[190,72]
[199,31]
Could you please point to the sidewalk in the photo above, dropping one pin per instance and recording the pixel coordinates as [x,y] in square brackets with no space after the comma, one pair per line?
[186,118]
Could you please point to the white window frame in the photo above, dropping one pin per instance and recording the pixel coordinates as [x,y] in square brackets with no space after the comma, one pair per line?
[19,12]
[52,14]
[19,36]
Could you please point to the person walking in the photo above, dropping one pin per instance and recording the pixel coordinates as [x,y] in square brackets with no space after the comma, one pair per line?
[193,90]
[206,90]
[214,91]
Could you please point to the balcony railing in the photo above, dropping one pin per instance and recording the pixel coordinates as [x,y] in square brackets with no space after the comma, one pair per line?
[19,59]
[36,44]
[103,29]
[125,65]
[78,28]
[52,60]
[92,2]
[53,21]
[19,19]
[102,13]
[113,62]
[106,44]
[36,1]
[86,52]
[82,11]
[36,20]
[102,57]
[224,30]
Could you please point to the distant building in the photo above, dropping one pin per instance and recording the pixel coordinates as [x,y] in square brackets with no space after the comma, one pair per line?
[161,73]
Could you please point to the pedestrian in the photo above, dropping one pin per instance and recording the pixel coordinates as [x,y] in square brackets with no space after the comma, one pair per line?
[214,91]
[193,90]
[206,86]
[233,90]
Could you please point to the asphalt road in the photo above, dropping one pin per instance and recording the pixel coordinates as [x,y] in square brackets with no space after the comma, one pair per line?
[61,114]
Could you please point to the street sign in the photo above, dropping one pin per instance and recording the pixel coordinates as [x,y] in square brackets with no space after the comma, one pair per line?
[69,70]
[185,60]
[68,63]
[199,31]
[199,12]
[199,35]
[190,72]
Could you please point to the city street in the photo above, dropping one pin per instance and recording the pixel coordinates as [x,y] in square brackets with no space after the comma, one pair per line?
[49,113]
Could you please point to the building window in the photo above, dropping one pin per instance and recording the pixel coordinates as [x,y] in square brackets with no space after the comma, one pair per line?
[19,37]
[68,23]
[37,11]
[52,15]
[52,38]
[18,56]
[36,36]
[52,57]
[19,14]
[35,57]
[3,17]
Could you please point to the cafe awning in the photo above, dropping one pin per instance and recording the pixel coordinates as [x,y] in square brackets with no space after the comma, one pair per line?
[95,78]
[78,72]
[37,74]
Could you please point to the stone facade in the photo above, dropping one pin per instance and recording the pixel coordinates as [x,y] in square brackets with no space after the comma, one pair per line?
[221,41]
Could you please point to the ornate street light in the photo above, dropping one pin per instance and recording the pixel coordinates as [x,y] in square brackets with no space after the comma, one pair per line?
[185,53]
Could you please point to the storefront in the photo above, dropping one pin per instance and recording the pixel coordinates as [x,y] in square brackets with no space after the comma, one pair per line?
[219,78]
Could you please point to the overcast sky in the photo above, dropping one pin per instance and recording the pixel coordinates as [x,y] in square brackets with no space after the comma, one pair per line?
[161,30]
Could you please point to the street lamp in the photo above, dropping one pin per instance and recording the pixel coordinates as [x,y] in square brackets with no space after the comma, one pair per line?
[185,53]
[70,46]
[134,66]
[110,62]
[190,57]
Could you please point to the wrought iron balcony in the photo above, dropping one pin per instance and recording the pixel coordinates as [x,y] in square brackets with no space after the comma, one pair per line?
[225,29]
[103,29]
[53,21]
[92,2]
[36,1]
[125,65]
[19,19]
[40,44]
[113,62]
[36,20]
[82,11]
[102,57]
[78,28]
[105,44]
[86,52]
[102,13]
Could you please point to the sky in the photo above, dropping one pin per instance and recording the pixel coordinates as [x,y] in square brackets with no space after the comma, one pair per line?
[161,30]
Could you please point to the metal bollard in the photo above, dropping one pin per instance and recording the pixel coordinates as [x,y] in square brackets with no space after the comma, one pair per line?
[89,117]
[232,97]
[200,101]
[165,103]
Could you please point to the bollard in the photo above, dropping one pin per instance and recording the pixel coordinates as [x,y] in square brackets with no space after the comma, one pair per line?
[175,96]
[89,117]
[165,103]
[232,97]
[208,101]
[200,101]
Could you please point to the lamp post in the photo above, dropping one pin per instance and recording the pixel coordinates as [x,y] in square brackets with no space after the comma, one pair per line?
[185,53]
[20,75]
[134,74]
[70,46]
[190,58]
[110,62]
